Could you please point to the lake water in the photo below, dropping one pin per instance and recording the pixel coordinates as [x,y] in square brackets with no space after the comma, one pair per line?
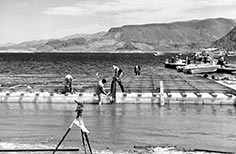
[119,126]
[83,64]
[113,127]
[75,63]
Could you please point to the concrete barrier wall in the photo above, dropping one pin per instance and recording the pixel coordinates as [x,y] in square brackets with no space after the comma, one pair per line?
[169,98]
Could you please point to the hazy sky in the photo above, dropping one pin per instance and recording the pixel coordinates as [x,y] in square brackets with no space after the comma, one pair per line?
[24,20]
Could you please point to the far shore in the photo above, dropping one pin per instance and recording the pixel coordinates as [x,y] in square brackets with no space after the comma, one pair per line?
[120,51]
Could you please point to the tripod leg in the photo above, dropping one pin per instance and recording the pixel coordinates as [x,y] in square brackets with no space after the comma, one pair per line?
[82,134]
[68,130]
[86,136]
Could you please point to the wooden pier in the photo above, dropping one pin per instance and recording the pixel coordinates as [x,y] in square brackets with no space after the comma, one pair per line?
[147,88]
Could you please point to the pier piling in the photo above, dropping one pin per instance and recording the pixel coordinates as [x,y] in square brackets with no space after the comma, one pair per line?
[162,99]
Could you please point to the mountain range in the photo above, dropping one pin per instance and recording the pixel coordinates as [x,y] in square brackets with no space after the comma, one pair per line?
[176,36]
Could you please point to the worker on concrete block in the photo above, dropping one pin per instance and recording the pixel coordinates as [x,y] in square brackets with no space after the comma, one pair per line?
[100,89]
[68,83]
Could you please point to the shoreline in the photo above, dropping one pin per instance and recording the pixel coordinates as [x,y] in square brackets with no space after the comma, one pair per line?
[115,52]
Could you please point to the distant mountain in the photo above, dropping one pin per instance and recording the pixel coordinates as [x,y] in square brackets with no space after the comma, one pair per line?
[186,35]
[227,42]
[87,36]
[173,36]
[6,44]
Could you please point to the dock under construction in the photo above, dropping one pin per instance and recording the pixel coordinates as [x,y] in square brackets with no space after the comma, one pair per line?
[161,89]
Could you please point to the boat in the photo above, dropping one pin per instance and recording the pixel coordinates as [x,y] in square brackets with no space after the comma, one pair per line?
[231,53]
[157,53]
[200,68]
[207,60]
[214,53]
[176,62]
[175,65]
[229,68]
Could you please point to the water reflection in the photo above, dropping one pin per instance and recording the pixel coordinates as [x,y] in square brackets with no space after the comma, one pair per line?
[49,107]
[67,116]
[199,108]
[235,109]
[115,122]
[122,124]
[120,110]
[21,106]
[138,109]
[162,111]
[36,108]
[155,108]
[230,112]
[183,108]
[213,109]
[6,107]
[168,107]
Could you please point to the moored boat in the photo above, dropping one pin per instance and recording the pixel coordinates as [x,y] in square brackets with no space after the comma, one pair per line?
[157,54]
[229,68]
[231,53]
[174,65]
[200,68]
[176,62]
[213,53]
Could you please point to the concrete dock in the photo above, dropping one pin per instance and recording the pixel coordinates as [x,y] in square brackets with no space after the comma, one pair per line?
[147,88]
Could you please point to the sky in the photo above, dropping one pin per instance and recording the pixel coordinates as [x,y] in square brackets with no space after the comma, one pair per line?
[25,20]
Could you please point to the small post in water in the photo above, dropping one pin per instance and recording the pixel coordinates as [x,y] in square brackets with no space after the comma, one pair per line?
[113,90]
[162,99]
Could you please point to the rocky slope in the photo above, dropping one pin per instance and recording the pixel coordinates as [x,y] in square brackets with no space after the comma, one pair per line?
[187,35]
[227,42]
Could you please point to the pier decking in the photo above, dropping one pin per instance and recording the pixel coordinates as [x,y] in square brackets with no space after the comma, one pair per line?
[174,83]
[147,88]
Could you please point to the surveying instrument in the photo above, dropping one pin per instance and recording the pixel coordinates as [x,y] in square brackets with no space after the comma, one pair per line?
[79,122]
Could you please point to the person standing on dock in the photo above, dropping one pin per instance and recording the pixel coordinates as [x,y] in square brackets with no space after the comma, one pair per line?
[137,69]
[68,83]
[206,59]
[221,61]
[117,78]
[101,90]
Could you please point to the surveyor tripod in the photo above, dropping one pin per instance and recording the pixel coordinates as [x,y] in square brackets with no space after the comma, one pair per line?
[79,122]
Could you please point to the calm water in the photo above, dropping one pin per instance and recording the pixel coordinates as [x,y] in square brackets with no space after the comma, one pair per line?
[79,63]
[114,127]
[120,126]
[84,64]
